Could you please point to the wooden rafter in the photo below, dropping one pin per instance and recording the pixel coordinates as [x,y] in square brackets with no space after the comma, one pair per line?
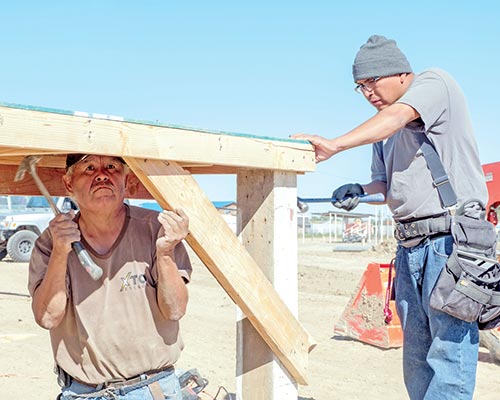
[32,131]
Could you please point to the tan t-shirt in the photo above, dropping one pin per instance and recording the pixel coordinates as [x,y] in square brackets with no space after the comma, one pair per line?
[113,327]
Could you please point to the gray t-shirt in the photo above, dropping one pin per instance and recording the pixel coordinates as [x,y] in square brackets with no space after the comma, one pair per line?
[399,162]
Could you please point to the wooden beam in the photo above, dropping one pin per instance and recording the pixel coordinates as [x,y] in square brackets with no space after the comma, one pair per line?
[43,131]
[52,179]
[49,160]
[219,249]
[8,152]
[267,222]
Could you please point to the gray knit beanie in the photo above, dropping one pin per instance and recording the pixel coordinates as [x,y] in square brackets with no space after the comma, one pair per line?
[379,56]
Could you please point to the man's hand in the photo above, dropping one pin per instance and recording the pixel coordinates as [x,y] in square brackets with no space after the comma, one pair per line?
[172,292]
[347,196]
[323,148]
[64,232]
[175,227]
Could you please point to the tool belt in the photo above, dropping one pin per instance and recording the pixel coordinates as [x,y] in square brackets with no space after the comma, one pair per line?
[405,230]
[468,287]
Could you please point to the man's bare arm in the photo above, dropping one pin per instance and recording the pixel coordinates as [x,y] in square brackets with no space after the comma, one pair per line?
[50,298]
[379,127]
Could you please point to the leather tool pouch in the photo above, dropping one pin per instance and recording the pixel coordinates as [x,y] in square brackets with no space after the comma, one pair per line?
[468,287]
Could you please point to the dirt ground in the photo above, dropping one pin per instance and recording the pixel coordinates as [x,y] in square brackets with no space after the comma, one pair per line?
[339,368]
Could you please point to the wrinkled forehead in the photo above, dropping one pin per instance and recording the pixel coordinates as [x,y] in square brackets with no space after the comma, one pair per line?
[85,159]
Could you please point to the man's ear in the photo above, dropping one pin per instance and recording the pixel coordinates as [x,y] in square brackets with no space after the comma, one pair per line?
[131,184]
[406,77]
[67,184]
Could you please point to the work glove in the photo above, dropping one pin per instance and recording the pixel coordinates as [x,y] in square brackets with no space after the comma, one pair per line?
[347,196]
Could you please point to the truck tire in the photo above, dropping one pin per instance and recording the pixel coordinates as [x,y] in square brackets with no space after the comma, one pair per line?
[20,245]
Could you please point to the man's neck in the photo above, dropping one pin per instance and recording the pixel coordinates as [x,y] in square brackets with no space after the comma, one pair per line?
[101,229]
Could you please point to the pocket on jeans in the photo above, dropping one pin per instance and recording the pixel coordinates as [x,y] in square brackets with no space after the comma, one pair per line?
[442,247]
[171,388]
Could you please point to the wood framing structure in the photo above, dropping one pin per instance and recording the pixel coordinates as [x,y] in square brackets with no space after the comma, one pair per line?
[163,159]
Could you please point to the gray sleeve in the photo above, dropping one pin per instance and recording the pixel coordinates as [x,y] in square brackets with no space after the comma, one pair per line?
[378,165]
[428,95]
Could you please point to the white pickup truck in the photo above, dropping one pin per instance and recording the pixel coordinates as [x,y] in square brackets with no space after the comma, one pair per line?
[20,228]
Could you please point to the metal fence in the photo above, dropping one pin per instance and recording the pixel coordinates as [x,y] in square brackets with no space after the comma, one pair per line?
[346,227]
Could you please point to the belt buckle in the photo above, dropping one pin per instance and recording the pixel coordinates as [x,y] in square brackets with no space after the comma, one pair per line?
[441,180]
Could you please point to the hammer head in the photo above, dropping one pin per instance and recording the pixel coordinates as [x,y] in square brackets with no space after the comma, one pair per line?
[27,164]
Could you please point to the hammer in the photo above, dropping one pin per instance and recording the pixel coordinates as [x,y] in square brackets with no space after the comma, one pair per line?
[29,164]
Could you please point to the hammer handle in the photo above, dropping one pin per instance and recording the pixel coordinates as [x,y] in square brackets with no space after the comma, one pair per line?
[90,266]
[43,190]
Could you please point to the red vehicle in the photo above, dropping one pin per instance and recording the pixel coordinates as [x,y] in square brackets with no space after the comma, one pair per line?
[492,176]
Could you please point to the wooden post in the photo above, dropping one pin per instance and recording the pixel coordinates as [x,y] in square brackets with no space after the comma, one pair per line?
[267,223]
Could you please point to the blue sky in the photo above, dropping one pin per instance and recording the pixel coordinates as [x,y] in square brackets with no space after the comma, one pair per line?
[263,68]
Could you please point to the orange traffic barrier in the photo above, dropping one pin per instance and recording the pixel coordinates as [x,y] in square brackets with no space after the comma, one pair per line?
[364,317]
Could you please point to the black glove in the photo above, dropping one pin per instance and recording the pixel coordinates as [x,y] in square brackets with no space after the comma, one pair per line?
[347,196]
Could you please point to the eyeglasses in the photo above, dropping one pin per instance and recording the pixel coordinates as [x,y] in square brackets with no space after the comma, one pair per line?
[368,85]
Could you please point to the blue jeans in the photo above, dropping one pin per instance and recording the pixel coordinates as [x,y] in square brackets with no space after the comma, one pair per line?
[440,351]
[169,384]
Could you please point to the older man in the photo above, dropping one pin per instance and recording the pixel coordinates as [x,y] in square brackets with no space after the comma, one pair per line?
[117,337]
[440,351]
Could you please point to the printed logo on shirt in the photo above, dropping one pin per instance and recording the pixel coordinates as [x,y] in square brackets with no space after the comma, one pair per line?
[133,281]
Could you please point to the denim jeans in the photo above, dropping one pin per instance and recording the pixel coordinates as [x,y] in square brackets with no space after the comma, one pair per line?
[169,384]
[440,351]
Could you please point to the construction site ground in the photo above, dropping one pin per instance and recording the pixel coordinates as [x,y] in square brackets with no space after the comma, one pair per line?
[339,368]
